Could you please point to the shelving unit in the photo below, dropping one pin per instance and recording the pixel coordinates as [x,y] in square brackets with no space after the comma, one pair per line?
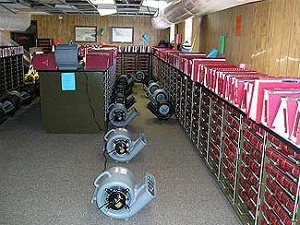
[109,81]
[45,43]
[129,63]
[257,170]
[11,68]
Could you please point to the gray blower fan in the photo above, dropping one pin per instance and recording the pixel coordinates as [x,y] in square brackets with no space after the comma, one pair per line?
[2,114]
[163,109]
[149,90]
[119,116]
[25,98]
[159,95]
[117,196]
[139,76]
[160,105]
[121,98]
[18,98]
[126,80]
[120,147]
[7,107]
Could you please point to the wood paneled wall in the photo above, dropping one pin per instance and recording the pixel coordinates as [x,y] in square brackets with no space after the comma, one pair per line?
[269,40]
[270,36]
[53,27]
[180,29]
[196,33]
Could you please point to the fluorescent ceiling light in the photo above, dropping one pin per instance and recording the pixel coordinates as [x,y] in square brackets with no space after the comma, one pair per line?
[106,10]
[66,7]
[154,4]
[103,2]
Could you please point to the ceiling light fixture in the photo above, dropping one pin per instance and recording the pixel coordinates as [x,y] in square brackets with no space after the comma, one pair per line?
[65,7]
[106,10]
[103,2]
[154,4]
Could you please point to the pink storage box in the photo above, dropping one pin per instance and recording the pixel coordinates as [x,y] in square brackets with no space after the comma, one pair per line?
[237,87]
[271,104]
[210,74]
[199,68]
[284,120]
[257,91]
[187,61]
[295,136]
[218,84]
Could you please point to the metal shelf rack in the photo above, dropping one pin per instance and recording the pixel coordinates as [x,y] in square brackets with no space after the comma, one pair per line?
[129,63]
[11,68]
[257,170]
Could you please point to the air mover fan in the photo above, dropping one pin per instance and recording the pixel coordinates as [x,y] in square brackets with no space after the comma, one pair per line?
[10,102]
[117,196]
[159,95]
[121,98]
[139,76]
[18,98]
[163,109]
[2,114]
[122,88]
[160,105]
[14,97]
[149,90]
[148,80]
[119,116]
[120,147]
[127,80]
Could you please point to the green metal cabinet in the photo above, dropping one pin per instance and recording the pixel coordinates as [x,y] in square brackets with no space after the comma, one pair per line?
[73,111]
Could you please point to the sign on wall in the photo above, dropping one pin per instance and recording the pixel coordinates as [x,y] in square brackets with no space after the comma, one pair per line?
[122,34]
[86,34]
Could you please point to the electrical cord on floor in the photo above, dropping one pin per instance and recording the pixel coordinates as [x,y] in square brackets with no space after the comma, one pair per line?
[105,160]
[105,153]
[94,117]
[90,102]
[105,204]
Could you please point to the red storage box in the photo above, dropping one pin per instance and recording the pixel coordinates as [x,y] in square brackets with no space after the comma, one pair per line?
[155,50]
[113,50]
[226,81]
[162,53]
[42,62]
[173,58]
[99,60]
